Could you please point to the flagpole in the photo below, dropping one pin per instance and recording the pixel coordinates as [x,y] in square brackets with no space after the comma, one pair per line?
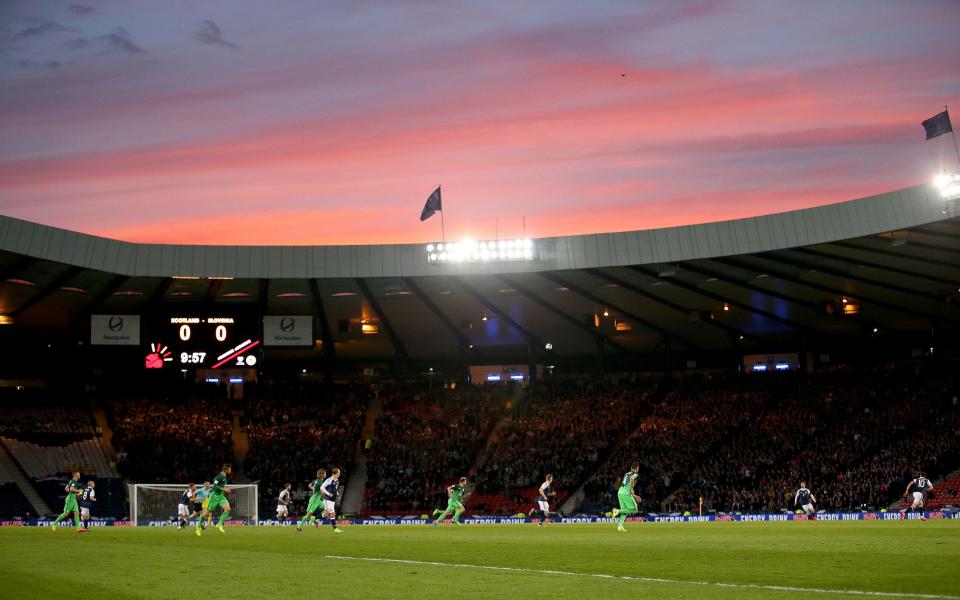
[954,134]
[443,229]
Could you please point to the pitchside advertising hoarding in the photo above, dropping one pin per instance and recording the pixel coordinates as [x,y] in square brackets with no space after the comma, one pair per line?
[481,520]
[288,330]
[115,330]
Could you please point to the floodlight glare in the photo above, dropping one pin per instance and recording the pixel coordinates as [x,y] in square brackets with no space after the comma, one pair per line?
[483,251]
[942,180]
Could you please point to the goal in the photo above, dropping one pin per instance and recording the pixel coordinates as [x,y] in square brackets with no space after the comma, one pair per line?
[156,503]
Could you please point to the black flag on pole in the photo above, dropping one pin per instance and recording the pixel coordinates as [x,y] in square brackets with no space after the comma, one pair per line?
[937,125]
[432,205]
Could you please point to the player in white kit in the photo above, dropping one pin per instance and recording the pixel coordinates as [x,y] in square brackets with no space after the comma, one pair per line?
[329,490]
[543,499]
[183,506]
[920,485]
[87,498]
[283,502]
[805,499]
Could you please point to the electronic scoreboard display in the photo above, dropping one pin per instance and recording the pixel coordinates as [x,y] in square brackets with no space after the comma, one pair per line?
[201,342]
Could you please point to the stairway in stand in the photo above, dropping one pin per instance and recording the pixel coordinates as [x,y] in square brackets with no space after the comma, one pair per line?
[352,502]
[241,444]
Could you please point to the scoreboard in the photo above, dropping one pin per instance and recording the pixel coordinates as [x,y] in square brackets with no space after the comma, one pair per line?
[201,342]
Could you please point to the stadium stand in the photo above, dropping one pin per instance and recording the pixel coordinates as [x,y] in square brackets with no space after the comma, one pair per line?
[173,438]
[946,494]
[295,429]
[425,440]
[745,444]
[49,437]
[12,501]
[564,428]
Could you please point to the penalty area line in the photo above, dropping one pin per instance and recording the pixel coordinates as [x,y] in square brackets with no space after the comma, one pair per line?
[750,586]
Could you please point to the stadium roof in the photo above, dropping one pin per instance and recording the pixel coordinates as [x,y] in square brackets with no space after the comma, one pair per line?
[759,284]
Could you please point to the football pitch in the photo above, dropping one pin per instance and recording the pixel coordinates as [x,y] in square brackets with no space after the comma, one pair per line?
[652,560]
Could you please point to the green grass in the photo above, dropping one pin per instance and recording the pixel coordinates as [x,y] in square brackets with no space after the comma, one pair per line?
[892,557]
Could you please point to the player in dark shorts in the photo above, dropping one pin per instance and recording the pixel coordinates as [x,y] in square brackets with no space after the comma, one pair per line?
[921,486]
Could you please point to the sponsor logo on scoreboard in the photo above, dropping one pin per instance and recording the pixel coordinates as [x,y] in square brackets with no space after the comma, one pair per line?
[288,330]
[115,330]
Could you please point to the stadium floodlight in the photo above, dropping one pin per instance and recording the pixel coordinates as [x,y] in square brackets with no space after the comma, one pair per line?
[949,185]
[481,251]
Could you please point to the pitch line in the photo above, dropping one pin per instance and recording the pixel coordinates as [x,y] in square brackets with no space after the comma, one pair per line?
[752,586]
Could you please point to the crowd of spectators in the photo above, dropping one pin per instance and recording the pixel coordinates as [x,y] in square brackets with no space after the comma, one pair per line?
[741,443]
[746,443]
[565,428]
[172,439]
[293,430]
[426,438]
[683,425]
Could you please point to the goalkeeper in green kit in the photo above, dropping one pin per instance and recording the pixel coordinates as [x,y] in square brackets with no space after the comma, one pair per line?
[454,503]
[627,497]
[217,498]
[73,489]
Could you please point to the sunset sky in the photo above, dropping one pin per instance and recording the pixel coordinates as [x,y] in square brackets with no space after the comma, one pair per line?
[305,122]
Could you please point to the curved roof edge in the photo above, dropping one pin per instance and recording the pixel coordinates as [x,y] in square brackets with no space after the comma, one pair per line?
[900,209]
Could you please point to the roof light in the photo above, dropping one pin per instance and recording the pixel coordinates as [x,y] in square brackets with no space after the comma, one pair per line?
[21,281]
[949,185]
[942,180]
[484,251]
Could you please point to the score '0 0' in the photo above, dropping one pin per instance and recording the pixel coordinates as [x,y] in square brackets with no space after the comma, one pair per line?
[220,332]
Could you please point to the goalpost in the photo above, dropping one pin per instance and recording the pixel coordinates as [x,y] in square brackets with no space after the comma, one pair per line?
[156,503]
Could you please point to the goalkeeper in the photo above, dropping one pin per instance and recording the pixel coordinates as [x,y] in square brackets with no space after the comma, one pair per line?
[202,496]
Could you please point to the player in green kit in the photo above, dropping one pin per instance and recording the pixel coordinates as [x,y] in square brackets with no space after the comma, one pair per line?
[218,498]
[454,503]
[627,497]
[315,504]
[73,489]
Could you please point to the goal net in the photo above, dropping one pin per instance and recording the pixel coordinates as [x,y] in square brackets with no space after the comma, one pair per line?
[156,503]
